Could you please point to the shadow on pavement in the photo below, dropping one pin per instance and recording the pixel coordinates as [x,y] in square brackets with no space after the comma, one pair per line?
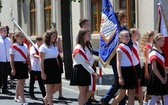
[66,102]
[6,97]
[107,79]
[35,103]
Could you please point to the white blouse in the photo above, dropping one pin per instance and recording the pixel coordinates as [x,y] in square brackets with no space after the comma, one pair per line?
[50,52]
[79,59]
[5,44]
[34,61]
[17,55]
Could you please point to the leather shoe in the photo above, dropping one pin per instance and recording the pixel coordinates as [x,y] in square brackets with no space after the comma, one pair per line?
[88,103]
[94,100]
[33,98]
[103,102]
[62,98]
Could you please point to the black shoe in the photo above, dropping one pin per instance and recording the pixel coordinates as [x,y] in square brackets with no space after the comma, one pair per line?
[33,98]
[103,102]
[93,100]
[62,98]
[88,103]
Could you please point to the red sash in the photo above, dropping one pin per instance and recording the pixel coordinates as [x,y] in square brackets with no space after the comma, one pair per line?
[129,57]
[80,52]
[37,52]
[21,52]
[148,46]
[136,53]
[154,56]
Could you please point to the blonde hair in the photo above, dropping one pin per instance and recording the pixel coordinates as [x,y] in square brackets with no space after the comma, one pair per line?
[144,39]
[133,30]
[157,37]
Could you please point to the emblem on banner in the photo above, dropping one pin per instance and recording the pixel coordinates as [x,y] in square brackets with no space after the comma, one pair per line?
[108,28]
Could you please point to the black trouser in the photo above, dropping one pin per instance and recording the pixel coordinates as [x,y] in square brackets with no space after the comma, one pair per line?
[33,75]
[4,71]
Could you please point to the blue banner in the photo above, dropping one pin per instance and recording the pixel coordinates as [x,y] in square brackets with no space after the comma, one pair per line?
[108,33]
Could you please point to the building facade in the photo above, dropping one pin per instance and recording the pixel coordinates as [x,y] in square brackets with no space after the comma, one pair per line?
[36,16]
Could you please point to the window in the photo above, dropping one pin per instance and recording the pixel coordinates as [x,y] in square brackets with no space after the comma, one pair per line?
[32,18]
[129,6]
[96,8]
[47,14]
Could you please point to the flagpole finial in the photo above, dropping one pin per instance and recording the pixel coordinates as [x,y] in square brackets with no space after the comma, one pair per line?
[160,3]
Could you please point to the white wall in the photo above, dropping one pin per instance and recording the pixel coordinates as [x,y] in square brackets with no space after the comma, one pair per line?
[5,13]
[57,16]
[146,15]
[75,20]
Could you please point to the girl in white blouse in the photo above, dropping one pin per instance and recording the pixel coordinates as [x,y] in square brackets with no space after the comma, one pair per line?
[127,79]
[82,69]
[20,64]
[49,66]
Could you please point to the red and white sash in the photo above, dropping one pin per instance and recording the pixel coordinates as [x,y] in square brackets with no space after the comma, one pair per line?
[79,49]
[121,46]
[21,52]
[148,46]
[154,55]
[136,53]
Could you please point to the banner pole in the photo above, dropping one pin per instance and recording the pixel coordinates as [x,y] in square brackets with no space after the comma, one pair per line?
[25,35]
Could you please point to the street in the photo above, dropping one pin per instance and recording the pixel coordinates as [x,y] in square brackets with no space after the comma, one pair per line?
[69,93]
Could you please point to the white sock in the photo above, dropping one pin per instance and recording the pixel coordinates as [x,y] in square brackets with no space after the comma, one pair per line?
[153,100]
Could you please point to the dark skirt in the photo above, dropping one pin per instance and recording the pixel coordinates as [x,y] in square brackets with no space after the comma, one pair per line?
[21,70]
[80,76]
[52,71]
[129,77]
[144,81]
[155,87]
[138,70]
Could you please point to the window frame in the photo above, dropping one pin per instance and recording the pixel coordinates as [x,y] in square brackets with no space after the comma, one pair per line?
[47,8]
[32,11]
[128,11]
[98,12]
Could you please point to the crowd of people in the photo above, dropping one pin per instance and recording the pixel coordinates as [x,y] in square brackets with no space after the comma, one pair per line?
[130,76]
[16,59]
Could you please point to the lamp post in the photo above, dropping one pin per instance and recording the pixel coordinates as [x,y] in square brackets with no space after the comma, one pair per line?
[66,39]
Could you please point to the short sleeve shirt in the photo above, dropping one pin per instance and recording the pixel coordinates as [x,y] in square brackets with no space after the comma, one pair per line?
[50,52]
[17,55]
